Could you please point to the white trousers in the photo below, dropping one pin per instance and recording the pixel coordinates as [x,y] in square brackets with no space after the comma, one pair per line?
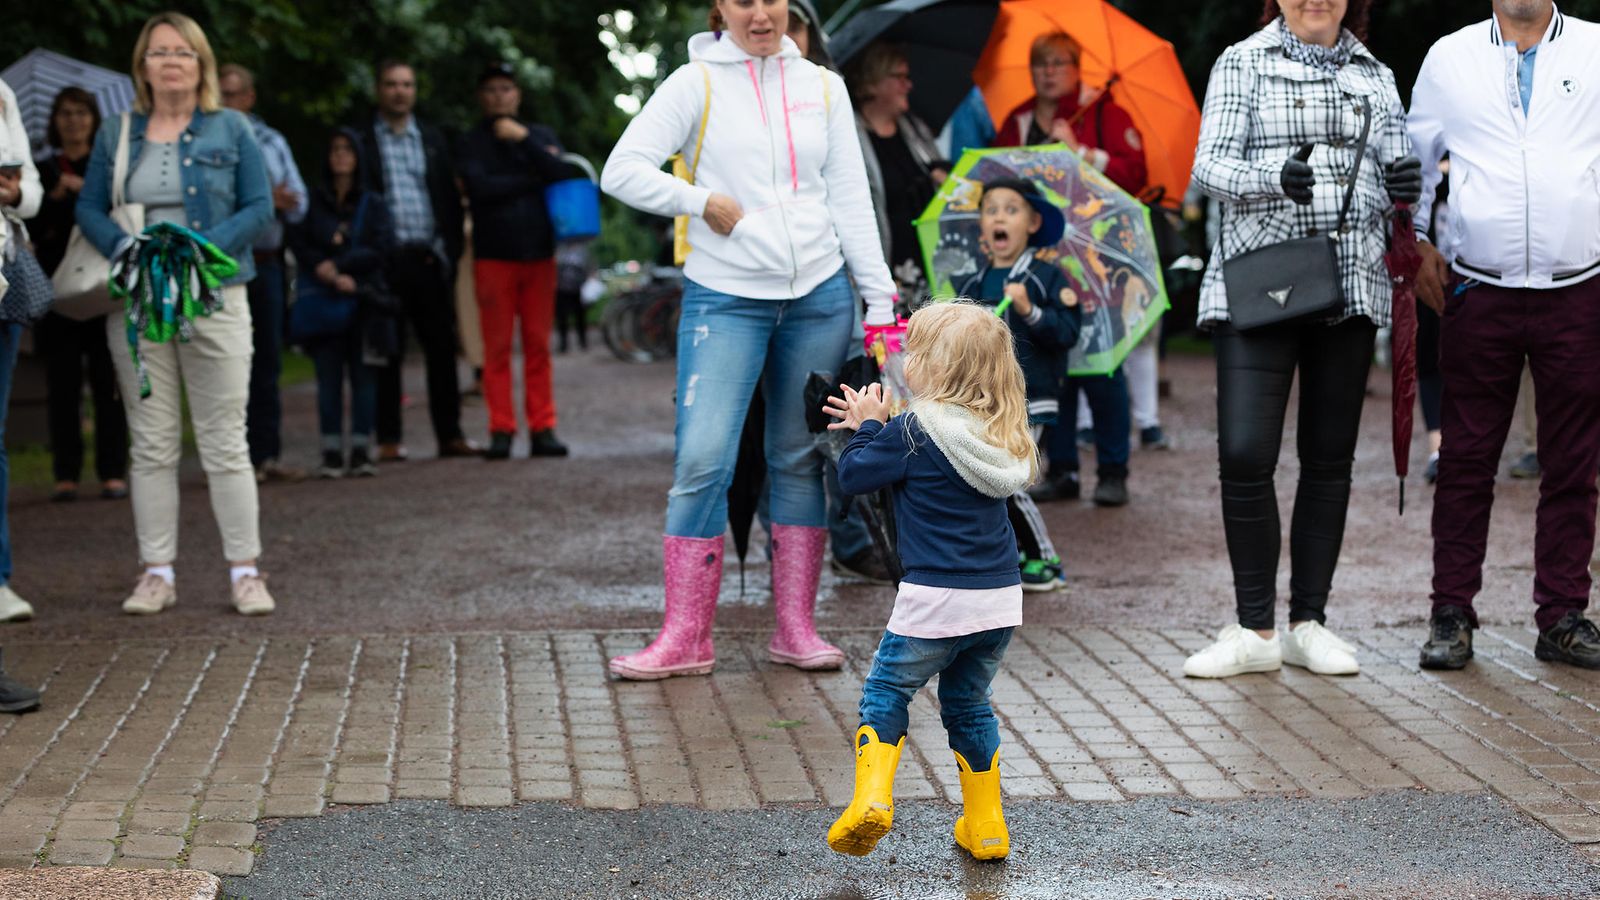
[213,371]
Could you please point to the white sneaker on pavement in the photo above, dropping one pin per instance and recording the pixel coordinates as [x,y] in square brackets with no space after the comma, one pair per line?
[1313,647]
[1236,651]
[151,595]
[250,596]
[12,607]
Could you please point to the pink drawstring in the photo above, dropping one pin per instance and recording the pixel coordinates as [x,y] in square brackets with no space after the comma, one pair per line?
[761,104]
[788,134]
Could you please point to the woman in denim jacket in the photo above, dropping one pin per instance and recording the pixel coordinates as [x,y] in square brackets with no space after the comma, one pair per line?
[192,163]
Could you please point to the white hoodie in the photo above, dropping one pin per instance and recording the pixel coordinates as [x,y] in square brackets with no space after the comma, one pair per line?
[781,145]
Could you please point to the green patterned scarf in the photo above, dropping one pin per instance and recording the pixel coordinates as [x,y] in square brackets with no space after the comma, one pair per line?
[166,277]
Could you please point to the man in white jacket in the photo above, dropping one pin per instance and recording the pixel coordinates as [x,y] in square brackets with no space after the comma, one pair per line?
[1515,101]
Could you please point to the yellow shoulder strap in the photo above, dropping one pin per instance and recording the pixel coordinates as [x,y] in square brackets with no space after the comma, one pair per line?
[705,113]
[827,92]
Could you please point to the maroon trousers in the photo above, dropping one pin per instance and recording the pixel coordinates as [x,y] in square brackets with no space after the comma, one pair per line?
[1486,336]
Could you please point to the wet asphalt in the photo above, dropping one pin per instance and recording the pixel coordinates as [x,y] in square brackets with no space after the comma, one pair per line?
[1396,845]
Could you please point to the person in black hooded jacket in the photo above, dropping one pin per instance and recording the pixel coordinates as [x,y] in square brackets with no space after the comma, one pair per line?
[342,246]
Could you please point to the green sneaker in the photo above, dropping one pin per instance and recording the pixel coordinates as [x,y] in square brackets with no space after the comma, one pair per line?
[1042,574]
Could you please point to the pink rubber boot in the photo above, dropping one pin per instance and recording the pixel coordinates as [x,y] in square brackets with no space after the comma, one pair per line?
[796,569]
[693,569]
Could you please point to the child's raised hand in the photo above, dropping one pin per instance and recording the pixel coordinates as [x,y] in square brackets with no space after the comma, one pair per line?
[856,407]
[1019,299]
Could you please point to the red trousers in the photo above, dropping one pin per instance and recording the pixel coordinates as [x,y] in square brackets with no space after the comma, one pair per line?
[507,291]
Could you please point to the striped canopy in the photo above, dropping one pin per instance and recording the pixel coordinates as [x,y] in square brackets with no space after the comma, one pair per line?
[39,76]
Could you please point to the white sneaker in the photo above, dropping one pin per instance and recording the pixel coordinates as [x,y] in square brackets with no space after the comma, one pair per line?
[1310,646]
[1237,650]
[12,607]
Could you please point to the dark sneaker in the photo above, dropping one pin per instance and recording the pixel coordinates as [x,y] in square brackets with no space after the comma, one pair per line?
[1112,490]
[332,465]
[1042,574]
[16,697]
[1526,467]
[1056,486]
[544,443]
[1449,643]
[1430,473]
[499,445]
[1574,640]
[362,465]
[1153,438]
[864,566]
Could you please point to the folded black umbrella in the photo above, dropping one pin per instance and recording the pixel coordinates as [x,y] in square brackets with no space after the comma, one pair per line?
[942,39]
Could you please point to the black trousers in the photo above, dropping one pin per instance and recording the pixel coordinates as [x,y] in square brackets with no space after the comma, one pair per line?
[1254,374]
[569,314]
[422,283]
[66,345]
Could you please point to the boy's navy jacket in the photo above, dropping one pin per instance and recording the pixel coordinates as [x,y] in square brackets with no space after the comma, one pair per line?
[950,534]
[1043,338]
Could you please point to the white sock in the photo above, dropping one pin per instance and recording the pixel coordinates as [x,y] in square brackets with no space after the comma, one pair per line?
[238,572]
[166,573]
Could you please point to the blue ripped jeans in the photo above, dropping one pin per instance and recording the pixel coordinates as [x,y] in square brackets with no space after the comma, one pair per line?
[725,344]
[965,665]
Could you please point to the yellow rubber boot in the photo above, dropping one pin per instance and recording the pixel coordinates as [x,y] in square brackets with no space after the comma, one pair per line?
[981,830]
[871,811]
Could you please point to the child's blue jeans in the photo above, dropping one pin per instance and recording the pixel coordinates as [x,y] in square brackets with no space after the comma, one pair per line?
[965,665]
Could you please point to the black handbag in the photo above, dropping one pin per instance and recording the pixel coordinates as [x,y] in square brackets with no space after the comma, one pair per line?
[1297,279]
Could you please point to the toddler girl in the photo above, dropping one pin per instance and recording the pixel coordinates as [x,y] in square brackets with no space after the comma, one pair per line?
[952,459]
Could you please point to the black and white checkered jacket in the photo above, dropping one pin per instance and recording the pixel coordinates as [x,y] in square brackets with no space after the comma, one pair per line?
[1260,107]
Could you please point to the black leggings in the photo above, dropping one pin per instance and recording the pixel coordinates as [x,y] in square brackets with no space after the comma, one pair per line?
[1254,374]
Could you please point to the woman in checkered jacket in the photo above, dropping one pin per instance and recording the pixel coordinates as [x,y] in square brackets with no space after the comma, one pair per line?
[1304,78]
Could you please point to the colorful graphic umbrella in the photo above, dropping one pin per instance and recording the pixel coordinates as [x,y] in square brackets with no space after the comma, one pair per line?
[1141,69]
[1404,262]
[1107,250]
[37,77]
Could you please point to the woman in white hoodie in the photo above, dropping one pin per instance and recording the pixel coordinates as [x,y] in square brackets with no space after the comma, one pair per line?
[779,209]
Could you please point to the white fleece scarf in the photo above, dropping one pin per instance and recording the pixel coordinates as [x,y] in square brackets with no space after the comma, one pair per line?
[991,470]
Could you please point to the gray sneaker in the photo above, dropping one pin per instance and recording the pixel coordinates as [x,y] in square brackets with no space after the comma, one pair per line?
[151,595]
[16,697]
[1527,466]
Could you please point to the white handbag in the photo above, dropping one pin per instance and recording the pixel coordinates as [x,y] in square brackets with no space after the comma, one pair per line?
[82,280]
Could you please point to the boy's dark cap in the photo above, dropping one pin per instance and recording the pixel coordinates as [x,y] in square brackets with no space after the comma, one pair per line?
[1052,223]
[497,70]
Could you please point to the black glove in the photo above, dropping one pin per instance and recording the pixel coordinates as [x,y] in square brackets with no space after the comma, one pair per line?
[1403,179]
[1297,178]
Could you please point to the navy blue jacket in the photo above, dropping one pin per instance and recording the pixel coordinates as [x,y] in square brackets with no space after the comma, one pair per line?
[1041,340]
[951,535]
[505,185]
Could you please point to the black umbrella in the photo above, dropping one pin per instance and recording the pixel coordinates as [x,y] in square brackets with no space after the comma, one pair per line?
[943,40]
[749,478]
[877,508]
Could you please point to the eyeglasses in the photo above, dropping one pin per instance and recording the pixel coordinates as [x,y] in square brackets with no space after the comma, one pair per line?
[181,55]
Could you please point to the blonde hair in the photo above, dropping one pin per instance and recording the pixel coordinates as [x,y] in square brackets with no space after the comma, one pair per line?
[1055,40]
[210,92]
[961,353]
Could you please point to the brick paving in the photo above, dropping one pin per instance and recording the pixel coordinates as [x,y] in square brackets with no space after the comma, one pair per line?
[161,754]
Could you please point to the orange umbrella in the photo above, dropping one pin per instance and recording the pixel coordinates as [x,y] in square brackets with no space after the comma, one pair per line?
[1141,68]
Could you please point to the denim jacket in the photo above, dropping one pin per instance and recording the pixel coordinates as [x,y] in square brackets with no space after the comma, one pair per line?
[226,194]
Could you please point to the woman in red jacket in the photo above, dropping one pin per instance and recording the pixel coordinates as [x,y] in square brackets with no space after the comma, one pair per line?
[1099,130]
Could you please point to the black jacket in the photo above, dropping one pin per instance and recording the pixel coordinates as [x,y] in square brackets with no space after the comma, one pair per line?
[53,225]
[442,193]
[505,184]
[327,231]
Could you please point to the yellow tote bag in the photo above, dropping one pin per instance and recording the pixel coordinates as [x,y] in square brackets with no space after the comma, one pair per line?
[682,169]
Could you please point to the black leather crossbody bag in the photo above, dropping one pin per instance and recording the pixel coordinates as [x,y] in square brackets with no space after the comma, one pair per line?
[1294,279]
